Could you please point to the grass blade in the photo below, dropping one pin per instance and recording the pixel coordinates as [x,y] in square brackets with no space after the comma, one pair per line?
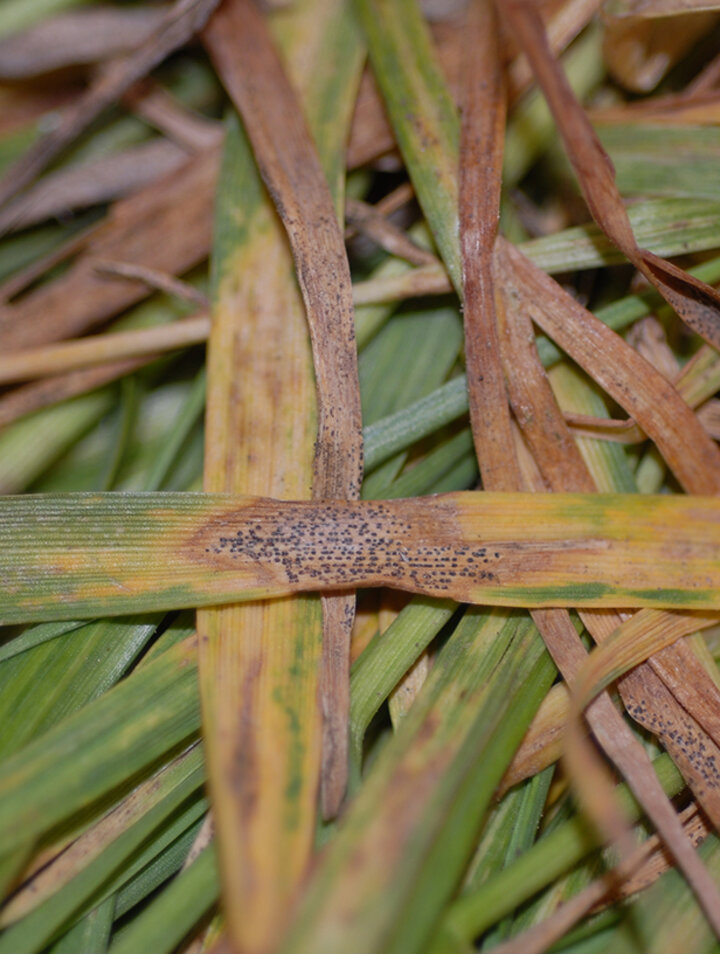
[261,432]
[407,829]
[163,925]
[97,748]
[292,171]
[502,549]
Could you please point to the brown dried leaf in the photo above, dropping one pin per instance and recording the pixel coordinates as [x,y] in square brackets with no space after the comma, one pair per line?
[702,109]
[105,349]
[159,107]
[555,451]
[605,428]
[697,828]
[371,136]
[658,8]
[370,222]
[645,697]
[633,641]
[105,179]
[480,165]
[21,280]
[630,380]
[166,226]
[481,151]
[709,417]
[424,280]
[534,406]
[631,644]
[563,468]
[32,397]
[178,25]
[639,52]
[650,703]
[154,279]
[695,302]
[77,38]
[698,380]
[20,105]
[562,25]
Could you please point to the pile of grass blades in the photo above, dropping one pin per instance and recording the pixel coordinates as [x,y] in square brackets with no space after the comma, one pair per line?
[360,514]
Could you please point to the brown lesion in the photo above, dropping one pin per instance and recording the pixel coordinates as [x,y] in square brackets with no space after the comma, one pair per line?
[417,545]
[243,771]
[315,546]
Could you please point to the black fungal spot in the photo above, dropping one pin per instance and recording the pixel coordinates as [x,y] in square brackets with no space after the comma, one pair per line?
[351,544]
